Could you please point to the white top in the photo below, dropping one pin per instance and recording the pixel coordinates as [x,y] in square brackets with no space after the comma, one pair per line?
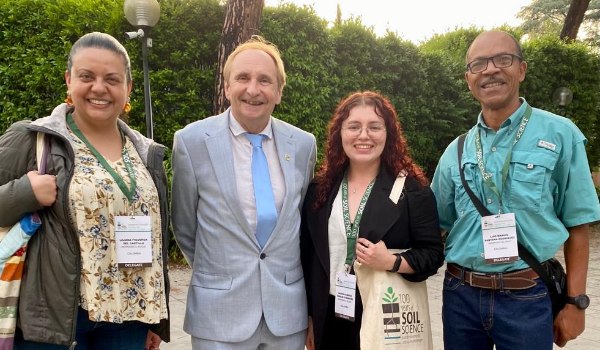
[337,241]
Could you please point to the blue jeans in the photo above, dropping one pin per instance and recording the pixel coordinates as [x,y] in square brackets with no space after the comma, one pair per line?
[91,335]
[477,319]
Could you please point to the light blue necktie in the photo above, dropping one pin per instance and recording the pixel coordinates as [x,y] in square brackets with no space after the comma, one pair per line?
[266,213]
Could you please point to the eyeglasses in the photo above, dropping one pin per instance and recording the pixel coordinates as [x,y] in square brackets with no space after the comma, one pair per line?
[502,60]
[357,129]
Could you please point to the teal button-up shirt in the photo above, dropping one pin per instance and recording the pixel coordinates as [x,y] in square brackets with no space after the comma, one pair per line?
[549,187]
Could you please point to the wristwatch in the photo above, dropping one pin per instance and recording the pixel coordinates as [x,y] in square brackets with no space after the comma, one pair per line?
[582,301]
[396,263]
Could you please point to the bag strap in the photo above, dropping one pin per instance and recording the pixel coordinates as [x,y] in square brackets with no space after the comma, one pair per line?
[524,253]
[41,151]
[483,211]
[397,188]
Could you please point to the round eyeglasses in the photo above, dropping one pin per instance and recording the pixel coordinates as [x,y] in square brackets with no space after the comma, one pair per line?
[357,129]
[502,60]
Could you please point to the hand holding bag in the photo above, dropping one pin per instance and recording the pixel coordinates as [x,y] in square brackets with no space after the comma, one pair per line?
[395,311]
[13,248]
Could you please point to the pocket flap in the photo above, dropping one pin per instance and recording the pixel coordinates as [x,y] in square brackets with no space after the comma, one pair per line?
[544,158]
[294,275]
[205,280]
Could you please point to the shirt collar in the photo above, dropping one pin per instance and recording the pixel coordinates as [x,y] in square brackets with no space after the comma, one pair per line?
[236,128]
[514,118]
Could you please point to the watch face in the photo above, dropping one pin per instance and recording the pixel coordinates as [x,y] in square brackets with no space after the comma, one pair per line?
[581,301]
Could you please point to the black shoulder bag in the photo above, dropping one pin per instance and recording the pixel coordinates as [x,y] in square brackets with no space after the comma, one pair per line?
[551,271]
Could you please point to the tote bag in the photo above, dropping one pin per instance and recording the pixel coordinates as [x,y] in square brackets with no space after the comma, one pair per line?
[395,311]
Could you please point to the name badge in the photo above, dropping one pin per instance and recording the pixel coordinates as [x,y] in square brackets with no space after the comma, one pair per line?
[499,238]
[345,295]
[133,235]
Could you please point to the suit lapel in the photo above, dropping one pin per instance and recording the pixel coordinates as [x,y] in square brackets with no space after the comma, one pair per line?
[380,213]
[219,148]
[286,152]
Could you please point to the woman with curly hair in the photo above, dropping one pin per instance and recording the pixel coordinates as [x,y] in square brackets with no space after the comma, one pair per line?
[348,214]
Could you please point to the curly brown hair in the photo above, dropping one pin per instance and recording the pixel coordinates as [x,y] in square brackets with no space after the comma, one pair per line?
[395,156]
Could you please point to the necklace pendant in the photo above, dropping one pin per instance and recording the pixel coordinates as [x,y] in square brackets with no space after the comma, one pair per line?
[354,190]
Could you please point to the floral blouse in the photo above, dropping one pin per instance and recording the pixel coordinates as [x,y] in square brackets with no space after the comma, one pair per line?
[107,292]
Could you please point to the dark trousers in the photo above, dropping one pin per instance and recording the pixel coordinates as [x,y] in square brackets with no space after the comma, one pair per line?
[479,319]
[130,335]
[339,333]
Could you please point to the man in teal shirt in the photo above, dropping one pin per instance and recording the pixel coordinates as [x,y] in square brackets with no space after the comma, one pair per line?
[529,168]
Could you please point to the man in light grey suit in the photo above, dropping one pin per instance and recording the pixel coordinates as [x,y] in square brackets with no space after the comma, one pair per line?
[246,292]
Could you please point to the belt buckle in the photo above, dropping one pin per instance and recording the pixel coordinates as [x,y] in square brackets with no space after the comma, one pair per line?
[476,274]
[496,280]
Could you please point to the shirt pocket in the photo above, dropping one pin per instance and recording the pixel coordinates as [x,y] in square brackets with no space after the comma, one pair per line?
[531,173]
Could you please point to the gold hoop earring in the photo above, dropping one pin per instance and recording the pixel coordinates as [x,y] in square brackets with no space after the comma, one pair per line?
[69,100]
[127,107]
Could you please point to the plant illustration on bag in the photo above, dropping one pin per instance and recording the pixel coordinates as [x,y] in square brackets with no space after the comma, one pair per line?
[390,306]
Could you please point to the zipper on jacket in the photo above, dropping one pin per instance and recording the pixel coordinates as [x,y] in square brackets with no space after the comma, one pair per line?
[70,172]
[69,175]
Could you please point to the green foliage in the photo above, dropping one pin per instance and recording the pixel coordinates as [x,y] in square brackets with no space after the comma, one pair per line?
[307,52]
[182,65]
[550,66]
[324,64]
[355,48]
[36,36]
[455,43]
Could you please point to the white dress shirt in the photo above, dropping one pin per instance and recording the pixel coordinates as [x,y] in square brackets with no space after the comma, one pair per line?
[242,160]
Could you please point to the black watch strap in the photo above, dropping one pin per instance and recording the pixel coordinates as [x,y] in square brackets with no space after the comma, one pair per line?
[396,263]
[582,301]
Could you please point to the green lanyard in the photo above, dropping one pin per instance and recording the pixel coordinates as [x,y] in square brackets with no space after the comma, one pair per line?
[352,229]
[128,192]
[487,177]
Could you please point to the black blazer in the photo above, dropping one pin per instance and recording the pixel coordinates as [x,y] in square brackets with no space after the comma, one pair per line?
[411,223]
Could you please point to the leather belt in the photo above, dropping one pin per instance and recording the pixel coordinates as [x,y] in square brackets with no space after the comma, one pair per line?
[521,279]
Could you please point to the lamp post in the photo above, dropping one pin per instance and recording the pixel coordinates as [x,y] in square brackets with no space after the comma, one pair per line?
[144,15]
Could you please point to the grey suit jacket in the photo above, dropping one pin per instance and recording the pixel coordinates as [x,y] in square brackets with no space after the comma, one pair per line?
[234,282]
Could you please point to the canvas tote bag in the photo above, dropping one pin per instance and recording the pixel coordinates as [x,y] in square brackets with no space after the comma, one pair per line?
[395,311]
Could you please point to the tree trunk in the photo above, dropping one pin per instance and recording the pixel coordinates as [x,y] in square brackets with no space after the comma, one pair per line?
[242,19]
[574,18]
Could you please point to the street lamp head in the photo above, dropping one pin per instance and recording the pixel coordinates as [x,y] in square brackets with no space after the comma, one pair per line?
[142,13]
[562,96]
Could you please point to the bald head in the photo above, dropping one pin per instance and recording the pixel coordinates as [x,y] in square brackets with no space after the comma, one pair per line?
[492,38]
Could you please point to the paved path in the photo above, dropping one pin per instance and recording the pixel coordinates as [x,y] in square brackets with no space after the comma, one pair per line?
[589,340]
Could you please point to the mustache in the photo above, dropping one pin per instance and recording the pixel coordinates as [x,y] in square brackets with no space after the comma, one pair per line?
[492,81]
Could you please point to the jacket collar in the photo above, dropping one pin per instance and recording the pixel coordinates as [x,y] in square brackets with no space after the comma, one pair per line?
[379,215]
[56,123]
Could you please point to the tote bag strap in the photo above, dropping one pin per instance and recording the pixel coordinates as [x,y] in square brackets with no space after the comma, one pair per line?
[42,150]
